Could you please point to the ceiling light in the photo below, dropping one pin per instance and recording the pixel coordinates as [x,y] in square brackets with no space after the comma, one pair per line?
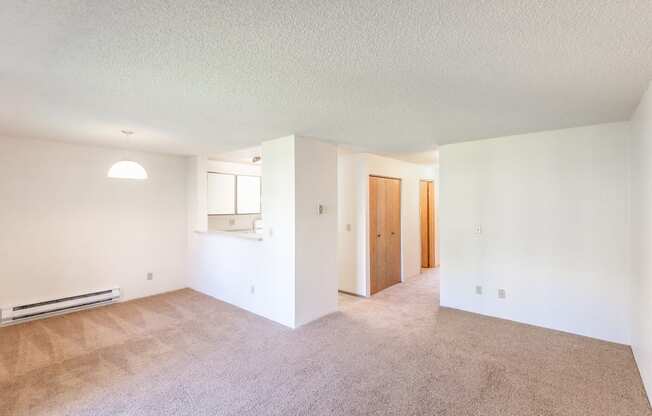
[127,169]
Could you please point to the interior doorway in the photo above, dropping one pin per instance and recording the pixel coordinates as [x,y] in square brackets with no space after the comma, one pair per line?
[384,232]
[428,214]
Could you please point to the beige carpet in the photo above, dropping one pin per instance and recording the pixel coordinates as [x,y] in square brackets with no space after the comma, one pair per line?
[397,353]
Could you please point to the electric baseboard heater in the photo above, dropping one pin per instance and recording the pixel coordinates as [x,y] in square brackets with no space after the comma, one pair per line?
[28,312]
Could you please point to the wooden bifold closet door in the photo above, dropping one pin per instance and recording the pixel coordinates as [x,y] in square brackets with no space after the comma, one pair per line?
[385,232]
[429,257]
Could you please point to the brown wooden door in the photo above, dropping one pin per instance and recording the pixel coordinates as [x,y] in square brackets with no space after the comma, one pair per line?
[385,232]
[393,213]
[432,225]
[423,216]
[429,257]
[376,229]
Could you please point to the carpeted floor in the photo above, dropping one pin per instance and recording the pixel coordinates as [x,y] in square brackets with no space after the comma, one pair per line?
[184,353]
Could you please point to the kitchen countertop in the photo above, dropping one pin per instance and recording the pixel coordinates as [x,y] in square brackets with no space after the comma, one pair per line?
[246,234]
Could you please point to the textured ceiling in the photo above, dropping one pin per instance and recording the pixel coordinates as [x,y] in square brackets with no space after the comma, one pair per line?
[388,76]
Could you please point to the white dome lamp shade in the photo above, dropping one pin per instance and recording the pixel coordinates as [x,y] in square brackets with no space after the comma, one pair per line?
[127,169]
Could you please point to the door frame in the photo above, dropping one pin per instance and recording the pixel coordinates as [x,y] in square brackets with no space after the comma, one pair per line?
[368,230]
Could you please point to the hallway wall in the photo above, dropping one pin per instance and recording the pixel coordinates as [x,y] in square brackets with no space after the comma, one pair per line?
[641,206]
[553,214]
[353,212]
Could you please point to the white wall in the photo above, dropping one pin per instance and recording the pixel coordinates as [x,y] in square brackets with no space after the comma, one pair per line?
[234,168]
[292,270]
[353,193]
[197,198]
[553,207]
[316,235]
[254,275]
[67,228]
[279,222]
[228,268]
[641,221]
[351,205]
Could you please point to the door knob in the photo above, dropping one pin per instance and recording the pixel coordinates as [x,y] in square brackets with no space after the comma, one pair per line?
[378,235]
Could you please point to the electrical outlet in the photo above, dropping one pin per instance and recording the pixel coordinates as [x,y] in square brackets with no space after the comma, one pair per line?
[348,227]
[502,294]
[478,290]
[150,276]
[231,221]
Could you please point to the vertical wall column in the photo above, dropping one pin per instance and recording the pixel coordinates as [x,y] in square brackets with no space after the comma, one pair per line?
[278,218]
[196,189]
[300,217]
[316,278]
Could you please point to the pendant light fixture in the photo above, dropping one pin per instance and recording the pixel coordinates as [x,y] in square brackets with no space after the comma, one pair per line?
[127,169]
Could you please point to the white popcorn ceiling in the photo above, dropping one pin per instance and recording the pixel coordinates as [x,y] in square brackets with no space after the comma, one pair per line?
[388,76]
